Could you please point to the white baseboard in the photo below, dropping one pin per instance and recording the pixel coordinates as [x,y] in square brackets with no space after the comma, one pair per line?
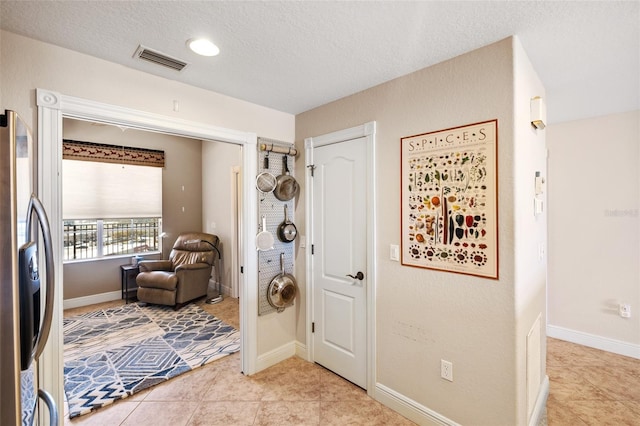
[275,356]
[400,403]
[226,290]
[422,415]
[541,403]
[409,408]
[301,351]
[91,300]
[604,343]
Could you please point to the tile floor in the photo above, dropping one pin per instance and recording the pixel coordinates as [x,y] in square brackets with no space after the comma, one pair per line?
[587,387]
[591,387]
[294,392]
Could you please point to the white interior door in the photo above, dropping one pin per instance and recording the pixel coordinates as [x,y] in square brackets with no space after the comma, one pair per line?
[339,250]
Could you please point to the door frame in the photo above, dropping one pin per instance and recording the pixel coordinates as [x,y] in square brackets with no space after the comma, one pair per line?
[52,108]
[368,131]
[237,243]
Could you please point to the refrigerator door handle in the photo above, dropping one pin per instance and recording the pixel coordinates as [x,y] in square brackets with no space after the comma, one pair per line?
[36,206]
[51,405]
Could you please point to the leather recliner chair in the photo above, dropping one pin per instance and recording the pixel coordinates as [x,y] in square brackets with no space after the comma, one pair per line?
[182,278]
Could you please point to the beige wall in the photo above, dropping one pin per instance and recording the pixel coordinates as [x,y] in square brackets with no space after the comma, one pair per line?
[594,233]
[85,279]
[28,64]
[469,321]
[218,163]
[182,168]
[530,238]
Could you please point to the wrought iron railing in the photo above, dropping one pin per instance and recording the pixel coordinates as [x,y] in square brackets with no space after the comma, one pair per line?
[90,239]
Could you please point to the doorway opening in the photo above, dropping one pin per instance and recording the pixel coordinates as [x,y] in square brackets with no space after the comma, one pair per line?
[52,108]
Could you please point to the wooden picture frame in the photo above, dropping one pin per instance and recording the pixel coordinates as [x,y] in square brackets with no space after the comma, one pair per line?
[449,200]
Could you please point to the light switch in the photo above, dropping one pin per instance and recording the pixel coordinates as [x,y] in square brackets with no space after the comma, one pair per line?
[539,184]
[394,252]
[538,206]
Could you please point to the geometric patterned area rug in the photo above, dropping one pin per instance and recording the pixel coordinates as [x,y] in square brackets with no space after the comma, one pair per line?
[114,353]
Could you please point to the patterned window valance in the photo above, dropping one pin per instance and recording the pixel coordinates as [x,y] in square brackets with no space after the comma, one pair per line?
[89,151]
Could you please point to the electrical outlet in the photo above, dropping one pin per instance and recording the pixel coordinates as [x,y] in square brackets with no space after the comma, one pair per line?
[446,370]
[625,310]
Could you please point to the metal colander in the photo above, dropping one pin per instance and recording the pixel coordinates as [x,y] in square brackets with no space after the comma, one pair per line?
[266,182]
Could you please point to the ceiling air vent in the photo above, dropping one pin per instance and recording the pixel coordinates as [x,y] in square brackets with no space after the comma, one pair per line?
[159,58]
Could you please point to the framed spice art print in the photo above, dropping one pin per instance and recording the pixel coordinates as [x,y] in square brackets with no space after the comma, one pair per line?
[450,200]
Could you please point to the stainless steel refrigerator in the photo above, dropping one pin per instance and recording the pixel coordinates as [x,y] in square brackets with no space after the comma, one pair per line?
[26,292]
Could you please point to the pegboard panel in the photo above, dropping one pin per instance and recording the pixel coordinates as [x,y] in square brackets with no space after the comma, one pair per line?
[273,210]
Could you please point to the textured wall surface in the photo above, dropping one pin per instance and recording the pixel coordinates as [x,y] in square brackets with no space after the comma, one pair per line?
[424,316]
[594,237]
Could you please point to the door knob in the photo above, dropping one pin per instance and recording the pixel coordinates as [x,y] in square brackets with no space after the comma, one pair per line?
[359,276]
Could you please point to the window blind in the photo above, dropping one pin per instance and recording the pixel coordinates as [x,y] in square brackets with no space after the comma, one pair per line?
[97,190]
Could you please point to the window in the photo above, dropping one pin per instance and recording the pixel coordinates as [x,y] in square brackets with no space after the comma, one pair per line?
[109,208]
[90,239]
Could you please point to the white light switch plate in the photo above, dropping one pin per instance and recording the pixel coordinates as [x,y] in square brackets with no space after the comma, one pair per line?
[537,206]
[394,252]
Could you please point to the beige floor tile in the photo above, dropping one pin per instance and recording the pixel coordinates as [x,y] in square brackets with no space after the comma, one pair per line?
[177,413]
[634,406]
[110,415]
[587,387]
[616,382]
[281,413]
[233,386]
[590,386]
[335,388]
[570,385]
[602,413]
[225,413]
[191,386]
[341,413]
[291,380]
[561,353]
[292,391]
[140,396]
[559,414]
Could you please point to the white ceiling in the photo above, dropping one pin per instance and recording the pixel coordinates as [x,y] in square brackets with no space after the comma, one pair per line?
[296,55]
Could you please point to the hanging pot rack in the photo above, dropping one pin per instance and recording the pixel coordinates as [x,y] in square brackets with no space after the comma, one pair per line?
[270,147]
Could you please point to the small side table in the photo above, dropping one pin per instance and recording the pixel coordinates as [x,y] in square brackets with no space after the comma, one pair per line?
[128,275]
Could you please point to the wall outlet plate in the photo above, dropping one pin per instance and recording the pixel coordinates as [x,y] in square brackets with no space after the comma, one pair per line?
[446,370]
[625,310]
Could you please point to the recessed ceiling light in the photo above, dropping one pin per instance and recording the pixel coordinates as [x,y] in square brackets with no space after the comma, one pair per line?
[203,47]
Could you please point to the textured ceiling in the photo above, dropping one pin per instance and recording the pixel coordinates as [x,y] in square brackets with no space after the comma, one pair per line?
[294,56]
